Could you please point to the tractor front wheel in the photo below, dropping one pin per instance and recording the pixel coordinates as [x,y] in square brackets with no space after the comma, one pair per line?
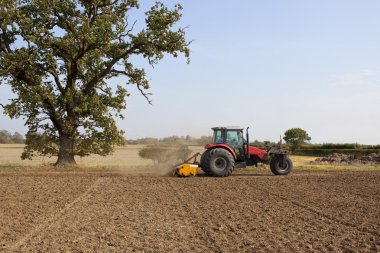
[217,162]
[279,166]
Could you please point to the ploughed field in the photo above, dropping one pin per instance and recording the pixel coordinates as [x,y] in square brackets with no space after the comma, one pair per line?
[251,211]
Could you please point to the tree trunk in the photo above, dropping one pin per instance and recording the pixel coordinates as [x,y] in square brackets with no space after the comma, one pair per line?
[65,155]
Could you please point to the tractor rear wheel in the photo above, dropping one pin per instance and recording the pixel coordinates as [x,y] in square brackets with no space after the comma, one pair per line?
[217,162]
[281,169]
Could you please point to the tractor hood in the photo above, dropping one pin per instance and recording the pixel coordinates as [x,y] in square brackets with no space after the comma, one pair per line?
[257,151]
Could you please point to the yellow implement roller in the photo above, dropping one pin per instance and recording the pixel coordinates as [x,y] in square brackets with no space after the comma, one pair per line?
[187,168]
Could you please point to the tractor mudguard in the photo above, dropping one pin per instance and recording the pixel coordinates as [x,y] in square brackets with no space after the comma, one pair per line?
[275,150]
[222,145]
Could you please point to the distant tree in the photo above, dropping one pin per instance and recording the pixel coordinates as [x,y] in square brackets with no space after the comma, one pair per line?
[268,144]
[5,137]
[188,139]
[295,137]
[204,140]
[18,138]
[58,57]
[144,141]
[173,140]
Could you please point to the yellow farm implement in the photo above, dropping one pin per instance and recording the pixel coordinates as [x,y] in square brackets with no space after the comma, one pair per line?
[188,168]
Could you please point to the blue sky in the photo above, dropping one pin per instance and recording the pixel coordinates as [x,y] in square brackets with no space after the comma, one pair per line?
[271,65]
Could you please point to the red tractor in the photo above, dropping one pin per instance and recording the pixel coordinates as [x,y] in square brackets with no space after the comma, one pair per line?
[229,149]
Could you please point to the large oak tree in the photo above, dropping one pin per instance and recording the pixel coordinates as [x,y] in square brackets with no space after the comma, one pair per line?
[58,56]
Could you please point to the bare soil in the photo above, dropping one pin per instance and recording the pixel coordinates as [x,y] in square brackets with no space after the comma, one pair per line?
[251,211]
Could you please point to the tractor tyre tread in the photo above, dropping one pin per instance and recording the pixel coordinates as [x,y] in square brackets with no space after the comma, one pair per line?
[275,166]
[207,159]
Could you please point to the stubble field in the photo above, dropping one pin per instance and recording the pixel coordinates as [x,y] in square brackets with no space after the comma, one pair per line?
[122,210]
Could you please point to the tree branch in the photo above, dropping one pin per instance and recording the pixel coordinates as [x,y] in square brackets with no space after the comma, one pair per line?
[52,72]
[91,84]
[121,72]
[4,42]
[127,32]
[57,81]
[64,24]
[144,94]
[71,74]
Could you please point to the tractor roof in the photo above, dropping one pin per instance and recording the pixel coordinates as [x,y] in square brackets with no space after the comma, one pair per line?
[227,128]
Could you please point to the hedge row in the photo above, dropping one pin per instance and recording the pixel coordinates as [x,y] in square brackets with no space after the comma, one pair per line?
[339,146]
[326,152]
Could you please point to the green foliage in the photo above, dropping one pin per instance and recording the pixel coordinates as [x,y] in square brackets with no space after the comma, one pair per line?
[9,138]
[165,153]
[326,152]
[59,56]
[330,148]
[339,146]
[344,146]
[295,137]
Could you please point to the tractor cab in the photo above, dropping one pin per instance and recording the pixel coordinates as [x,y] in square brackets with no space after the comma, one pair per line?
[233,137]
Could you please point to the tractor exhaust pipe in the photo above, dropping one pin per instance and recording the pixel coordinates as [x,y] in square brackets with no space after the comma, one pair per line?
[247,135]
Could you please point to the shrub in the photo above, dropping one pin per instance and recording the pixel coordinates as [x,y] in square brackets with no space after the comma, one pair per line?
[165,153]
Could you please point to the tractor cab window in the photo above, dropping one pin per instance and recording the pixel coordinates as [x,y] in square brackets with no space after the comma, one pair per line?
[218,136]
[235,140]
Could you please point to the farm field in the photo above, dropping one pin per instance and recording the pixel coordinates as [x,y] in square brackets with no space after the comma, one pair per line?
[251,211]
[123,209]
[124,158]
